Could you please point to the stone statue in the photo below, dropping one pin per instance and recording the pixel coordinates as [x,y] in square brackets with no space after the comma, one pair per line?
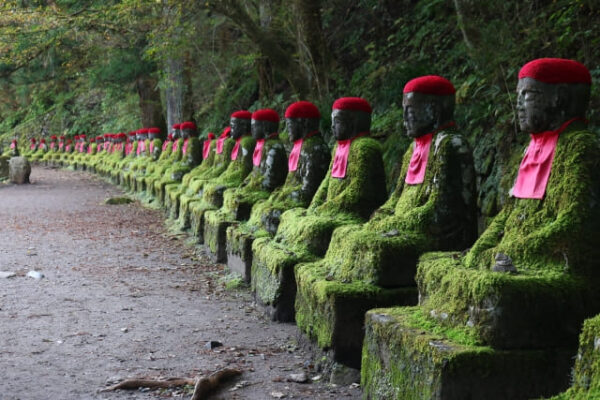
[240,165]
[433,207]
[192,187]
[268,173]
[189,157]
[307,165]
[352,189]
[520,294]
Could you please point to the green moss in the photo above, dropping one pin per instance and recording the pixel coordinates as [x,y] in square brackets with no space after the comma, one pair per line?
[118,200]
[586,374]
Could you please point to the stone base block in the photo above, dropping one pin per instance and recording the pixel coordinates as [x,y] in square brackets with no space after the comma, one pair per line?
[272,278]
[215,234]
[332,313]
[405,358]
[239,252]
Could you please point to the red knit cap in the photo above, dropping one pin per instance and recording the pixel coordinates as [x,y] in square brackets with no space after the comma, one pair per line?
[211,135]
[122,135]
[430,84]
[53,137]
[242,114]
[76,137]
[133,133]
[32,140]
[302,109]
[170,136]
[69,141]
[62,138]
[142,131]
[98,138]
[82,136]
[92,140]
[43,140]
[188,126]
[266,114]
[226,132]
[353,104]
[154,130]
[176,126]
[107,135]
[556,70]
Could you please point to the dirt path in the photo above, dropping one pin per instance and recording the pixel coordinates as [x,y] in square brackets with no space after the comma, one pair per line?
[122,297]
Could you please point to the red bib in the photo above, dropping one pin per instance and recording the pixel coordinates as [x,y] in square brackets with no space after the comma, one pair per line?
[206,149]
[257,155]
[175,146]
[295,153]
[220,142]
[536,164]
[418,160]
[236,149]
[340,160]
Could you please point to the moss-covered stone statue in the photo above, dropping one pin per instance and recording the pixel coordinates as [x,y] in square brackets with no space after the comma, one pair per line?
[153,150]
[171,153]
[52,149]
[173,191]
[268,173]
[307,164]
[14,148]
[140,157]
[501,320]
[352,189]
[102,152]
[189,157]
[239,167]
[193,184]
[124,165]
[32,147]
[116,154]
[373,265]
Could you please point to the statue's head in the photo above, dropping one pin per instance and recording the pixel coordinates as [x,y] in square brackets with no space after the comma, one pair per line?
[175,131]
[153,133]
[240,123]
[349,117]
[99,140]
[53,138]
[302,118]
[61,139]
[188,129]
[264,122]
[121,137]
[141,134]
[132,136]
[82,137]
[550,92]
[428,104]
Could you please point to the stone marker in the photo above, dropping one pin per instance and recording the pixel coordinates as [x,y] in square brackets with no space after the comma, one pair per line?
[19,170]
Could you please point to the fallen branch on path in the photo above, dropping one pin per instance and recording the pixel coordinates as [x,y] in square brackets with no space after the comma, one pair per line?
[202,386]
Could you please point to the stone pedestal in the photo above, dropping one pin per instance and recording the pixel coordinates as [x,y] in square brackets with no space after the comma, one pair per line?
[19,170]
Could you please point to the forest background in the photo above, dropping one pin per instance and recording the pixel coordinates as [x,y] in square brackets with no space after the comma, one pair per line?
[88,66]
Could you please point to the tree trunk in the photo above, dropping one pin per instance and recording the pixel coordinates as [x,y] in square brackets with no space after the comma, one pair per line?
[311,45]
[150,105]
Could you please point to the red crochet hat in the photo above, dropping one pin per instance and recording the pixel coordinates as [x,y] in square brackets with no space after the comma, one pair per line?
[132,133]
[302,109]
[98,138]
[226,132]
[53,137]
[69,141]
[556,70]
[430,84]
[188,126]
[176,126]
[107,135]
[82,136]
[353,104]
[92,140]
[242,114]
[43,140]
[122,135]
[154,130]
[32,140]
[62,138]
[266,114]
[142,131]
[211,135]
[76,137]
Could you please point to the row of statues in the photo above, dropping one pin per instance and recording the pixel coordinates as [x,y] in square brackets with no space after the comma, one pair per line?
[321,242]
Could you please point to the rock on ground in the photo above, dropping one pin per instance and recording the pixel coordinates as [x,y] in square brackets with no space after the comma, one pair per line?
[19,170]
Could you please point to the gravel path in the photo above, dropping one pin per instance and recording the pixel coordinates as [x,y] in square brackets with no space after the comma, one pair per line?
[122,297]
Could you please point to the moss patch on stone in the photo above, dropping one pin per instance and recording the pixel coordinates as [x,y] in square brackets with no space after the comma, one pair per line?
[118,200]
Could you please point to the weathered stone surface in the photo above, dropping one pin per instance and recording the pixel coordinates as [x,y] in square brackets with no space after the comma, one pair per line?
[19,170]
[3,167]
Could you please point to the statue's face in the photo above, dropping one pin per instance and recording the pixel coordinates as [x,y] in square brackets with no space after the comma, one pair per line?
[239,127]
[343,124]
[262,129]
[537,105]
[152,136]
[296,128]
[420,114]
[176,134]
[185,134]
